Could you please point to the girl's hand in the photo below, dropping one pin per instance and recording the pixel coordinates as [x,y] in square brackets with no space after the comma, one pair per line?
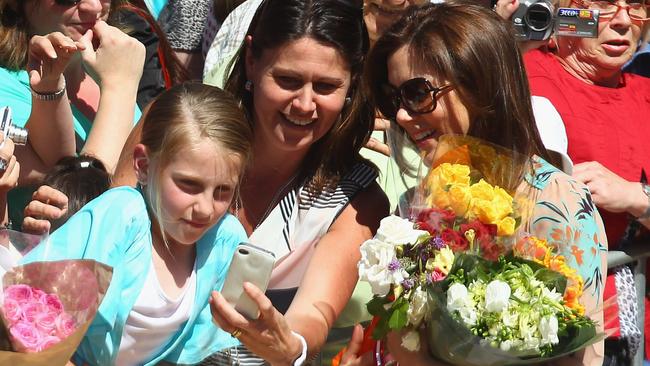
[48,56]
[47,204]
[9,166]
[269,336]
[118,60]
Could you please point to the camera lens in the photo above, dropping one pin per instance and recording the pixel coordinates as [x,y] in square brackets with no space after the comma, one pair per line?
[539,17]
[17,134]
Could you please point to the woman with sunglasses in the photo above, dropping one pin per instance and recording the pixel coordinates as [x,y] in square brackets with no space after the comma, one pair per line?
[605,111]
[454,68]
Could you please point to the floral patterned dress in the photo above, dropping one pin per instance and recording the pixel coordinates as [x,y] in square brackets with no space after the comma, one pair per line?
[565,215]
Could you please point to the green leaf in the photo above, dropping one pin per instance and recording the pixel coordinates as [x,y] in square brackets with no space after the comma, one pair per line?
[399,317]
[376,306]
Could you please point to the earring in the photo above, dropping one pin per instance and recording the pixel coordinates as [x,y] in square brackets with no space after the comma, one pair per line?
[248,85]
[348,100]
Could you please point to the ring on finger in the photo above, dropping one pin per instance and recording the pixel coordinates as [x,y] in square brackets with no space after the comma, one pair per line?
[236,333]
[3,164]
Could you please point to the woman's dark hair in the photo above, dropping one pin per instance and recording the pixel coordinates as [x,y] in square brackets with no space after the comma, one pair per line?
[81,178]
[471,48]
[333,23]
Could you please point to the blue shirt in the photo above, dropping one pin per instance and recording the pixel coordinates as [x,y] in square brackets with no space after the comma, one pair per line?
[115,229]
[15,92]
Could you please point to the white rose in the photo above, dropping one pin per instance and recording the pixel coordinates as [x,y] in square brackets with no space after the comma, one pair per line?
[397,231]
[411,341]
[506,345]
[373,267]
[418,307]
[469,315]
[548,328]
[457,297]
[497,296]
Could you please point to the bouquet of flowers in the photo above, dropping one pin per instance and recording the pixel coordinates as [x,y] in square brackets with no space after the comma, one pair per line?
[46,306]
[488,293]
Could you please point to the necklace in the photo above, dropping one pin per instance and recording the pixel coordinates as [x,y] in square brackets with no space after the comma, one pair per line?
[274,200]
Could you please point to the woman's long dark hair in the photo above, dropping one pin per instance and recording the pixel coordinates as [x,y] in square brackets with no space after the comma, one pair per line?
[334,23]
[474,50]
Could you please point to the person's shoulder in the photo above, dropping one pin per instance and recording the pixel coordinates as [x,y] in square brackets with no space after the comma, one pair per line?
[15,93]
[637,83]
[125,202]
[547,177]
[537,58]
[228,229]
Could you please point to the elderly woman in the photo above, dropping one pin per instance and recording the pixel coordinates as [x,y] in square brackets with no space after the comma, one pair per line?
[605,111]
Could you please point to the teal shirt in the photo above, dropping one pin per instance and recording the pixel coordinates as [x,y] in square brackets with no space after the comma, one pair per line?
[15,93]
[115,229]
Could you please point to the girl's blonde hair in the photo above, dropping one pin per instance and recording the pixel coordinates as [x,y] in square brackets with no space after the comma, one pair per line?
[181,118]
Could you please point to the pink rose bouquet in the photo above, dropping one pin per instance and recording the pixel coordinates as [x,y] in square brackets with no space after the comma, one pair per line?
[36,320]
[47,306]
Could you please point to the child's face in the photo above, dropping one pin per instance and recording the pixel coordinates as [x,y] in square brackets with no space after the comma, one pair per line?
[196,189]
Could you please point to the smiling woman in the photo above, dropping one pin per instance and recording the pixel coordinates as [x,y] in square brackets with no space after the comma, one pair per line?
[454,68]
[308,196]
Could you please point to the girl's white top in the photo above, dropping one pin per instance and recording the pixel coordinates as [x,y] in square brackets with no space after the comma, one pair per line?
[154,320]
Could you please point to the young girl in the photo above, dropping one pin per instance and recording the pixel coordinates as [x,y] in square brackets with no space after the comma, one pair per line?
[169,240]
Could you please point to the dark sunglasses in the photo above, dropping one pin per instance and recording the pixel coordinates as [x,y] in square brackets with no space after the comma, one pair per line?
[417,96]
[67,2]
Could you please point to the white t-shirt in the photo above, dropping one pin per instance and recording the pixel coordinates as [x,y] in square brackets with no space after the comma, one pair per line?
[552,131]
[154,320]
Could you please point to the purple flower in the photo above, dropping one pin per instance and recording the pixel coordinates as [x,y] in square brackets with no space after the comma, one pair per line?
[408,283]
[394,265]
[438,243]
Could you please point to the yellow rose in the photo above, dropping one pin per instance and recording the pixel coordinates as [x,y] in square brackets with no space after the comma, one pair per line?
[459,199]
[482,190]
[446,174]
[485,211]
[503,200]
[506,226]
[438,198]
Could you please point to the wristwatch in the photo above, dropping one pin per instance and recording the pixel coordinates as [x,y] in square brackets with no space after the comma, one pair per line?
[646,190]
[49,96]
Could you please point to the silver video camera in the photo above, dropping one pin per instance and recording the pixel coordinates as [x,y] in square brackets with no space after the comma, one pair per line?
[8,130]
[535,20]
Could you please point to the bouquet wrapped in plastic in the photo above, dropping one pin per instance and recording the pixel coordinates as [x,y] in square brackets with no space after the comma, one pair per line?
[45,306]
[488,293]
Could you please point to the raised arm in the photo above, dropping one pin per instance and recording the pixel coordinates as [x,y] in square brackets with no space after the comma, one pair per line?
[117,64]
[51,133]
[325,289]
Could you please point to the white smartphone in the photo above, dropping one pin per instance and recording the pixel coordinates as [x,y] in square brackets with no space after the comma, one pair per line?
[249,264]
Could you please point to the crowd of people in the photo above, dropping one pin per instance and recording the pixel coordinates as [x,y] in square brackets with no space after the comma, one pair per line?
[164,133]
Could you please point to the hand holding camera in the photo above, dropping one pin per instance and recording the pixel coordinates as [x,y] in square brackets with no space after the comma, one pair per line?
[536,20]
[9,166]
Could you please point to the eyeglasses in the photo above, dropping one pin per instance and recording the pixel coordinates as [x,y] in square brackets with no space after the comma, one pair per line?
[637,9]
[67,2]
[417,96]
